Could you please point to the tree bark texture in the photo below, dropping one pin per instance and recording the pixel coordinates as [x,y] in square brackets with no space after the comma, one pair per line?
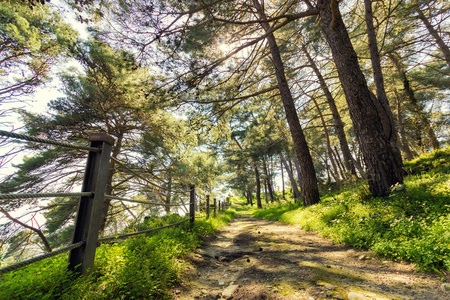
[258,188]
[348,159]
[383,162]
[309,188]
[385,112]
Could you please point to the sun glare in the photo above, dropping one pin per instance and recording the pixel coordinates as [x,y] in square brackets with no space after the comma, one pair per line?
[224,48]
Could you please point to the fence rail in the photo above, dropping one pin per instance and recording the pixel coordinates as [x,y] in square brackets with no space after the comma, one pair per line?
[39,258]
[126,235]
[42,195]
[141,201]
[215,205]
[46,141]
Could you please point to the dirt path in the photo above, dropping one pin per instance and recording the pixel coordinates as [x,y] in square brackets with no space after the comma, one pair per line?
[259,259]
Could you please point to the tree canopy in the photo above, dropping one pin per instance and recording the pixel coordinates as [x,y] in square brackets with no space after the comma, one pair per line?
[227,93]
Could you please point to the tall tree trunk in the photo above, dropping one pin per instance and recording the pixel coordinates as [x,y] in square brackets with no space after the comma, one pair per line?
[309,188]
[295,190]
[327,138]
[258,188]
[337,158]
[416,107]
[282,180]
[383,162]
[387,118]
[442,46]
[297,168]
[168,193]
[109,187]
[249,197]
[269,183]
[348,159]
[266,198]
[404,141]
[327,167]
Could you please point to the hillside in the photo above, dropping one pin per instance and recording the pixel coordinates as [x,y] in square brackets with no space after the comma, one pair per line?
[412,224]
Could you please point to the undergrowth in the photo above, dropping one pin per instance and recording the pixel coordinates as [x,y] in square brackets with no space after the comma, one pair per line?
[144,267]
[412,224]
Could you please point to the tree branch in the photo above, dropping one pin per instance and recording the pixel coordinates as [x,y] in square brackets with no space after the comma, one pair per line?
[36,230]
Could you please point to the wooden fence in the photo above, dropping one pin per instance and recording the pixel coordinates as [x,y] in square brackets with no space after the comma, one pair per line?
[86,239]
[215,206]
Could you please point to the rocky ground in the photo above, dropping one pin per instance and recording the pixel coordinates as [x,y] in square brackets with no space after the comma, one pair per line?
[259,259]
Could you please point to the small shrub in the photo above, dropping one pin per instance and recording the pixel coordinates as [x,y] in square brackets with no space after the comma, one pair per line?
[46,279]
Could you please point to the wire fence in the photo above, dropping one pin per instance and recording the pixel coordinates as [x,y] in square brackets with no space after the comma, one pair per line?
[126,235]
[39,258]
[142,201]
[46,141]
[42,195]
[85,239]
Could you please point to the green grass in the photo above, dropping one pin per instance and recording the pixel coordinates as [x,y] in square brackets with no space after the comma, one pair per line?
[144,267]
[412,224]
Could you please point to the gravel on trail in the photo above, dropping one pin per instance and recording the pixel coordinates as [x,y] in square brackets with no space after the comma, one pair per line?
[254,259]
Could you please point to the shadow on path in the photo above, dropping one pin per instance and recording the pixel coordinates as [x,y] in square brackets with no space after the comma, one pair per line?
[259,259]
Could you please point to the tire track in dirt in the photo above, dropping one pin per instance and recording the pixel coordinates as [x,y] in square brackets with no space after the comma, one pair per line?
[260,259]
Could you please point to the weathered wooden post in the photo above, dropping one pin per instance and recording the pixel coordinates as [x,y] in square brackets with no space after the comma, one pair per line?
[87,225]
[207,206]
[215,206]
[192,204]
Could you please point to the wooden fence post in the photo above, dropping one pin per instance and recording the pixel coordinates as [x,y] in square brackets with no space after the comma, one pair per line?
[192,204]
[207,206]
[215,206]
[87,225]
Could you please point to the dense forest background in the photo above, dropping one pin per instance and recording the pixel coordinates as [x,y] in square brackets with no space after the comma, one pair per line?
[236,97]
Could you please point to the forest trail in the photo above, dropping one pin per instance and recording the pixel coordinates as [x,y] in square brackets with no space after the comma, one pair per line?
[260,259]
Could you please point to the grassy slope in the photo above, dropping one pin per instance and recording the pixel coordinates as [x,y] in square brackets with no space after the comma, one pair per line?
[144,267]
[412,224]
